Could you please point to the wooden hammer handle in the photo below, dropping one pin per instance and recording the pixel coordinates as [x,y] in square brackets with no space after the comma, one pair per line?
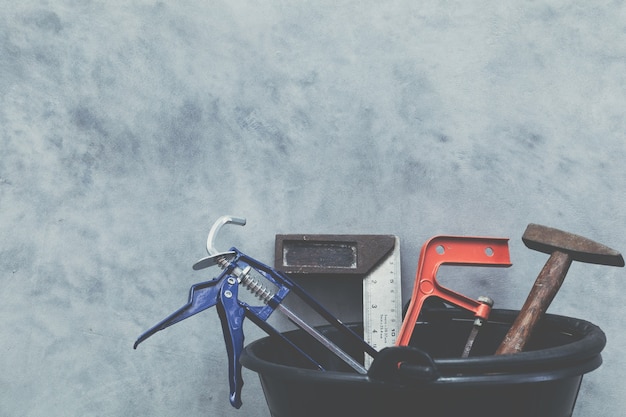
[545,288]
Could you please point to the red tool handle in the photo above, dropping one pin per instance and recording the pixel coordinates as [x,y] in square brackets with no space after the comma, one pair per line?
[453,250]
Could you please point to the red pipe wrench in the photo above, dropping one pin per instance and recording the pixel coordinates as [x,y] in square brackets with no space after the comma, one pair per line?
[452,250]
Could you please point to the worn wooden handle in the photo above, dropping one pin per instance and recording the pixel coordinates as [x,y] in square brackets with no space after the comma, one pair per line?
[545,288]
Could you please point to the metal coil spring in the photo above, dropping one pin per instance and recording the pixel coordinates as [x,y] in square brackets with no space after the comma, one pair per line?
[251,284]
[222,262]
[255,287]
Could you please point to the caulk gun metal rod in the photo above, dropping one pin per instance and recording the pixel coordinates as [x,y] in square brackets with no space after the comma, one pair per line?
[240,274]
[322,339]
[334,321]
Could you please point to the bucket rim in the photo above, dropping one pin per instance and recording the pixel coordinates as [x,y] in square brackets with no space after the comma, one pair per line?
[576,358]
[591,343]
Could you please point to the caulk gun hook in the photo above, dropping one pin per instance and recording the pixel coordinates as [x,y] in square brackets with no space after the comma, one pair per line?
[210,248]
[214,254]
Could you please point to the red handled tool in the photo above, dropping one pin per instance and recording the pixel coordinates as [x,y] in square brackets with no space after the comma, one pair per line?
[452,250]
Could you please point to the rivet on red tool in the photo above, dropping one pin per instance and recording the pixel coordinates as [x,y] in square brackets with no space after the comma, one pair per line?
[451,250]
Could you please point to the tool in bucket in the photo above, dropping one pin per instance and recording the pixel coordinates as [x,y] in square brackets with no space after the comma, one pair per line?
[453,250]
[324,260]
[563,248]
[222,292]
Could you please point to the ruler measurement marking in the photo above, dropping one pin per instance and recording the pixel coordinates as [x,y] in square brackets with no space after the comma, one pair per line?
[382,303]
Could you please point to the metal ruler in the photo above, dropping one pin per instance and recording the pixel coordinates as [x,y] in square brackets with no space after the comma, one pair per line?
[323,264]
[382,302]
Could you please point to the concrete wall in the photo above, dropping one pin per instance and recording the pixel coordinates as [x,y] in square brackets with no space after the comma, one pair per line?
[128,127]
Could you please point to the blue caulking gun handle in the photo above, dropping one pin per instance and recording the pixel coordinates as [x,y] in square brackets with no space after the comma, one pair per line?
[231,315]
[201,296]
[222,293]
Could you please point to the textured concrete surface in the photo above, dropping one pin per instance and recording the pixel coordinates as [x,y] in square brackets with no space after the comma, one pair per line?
[127,127]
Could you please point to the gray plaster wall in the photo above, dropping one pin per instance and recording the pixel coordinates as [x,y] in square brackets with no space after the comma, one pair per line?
[128,127]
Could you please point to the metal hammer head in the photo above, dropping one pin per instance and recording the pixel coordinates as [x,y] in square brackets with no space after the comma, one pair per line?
[548,240]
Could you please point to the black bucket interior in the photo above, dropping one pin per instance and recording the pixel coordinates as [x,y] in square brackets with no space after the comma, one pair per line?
[543,381]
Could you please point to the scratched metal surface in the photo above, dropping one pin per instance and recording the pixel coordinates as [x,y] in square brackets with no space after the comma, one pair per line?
[127,127]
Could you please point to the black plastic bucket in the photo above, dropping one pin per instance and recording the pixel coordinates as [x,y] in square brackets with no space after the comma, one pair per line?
[541,382]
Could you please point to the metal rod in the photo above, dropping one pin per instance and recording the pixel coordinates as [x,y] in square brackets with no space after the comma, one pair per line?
[322,339]
[245,278]
[470,341]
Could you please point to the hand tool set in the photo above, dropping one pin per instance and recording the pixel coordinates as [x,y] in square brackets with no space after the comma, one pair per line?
[272,287]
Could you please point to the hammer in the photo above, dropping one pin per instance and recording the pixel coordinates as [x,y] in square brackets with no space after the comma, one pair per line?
[563,248]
